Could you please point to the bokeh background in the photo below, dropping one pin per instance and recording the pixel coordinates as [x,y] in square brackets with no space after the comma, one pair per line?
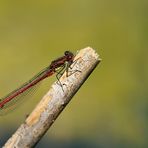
[111,109]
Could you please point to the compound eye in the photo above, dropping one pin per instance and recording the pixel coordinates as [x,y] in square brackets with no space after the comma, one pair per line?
[66,52]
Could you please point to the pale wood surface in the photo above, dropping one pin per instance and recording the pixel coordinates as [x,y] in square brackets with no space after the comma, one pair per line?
[51,105]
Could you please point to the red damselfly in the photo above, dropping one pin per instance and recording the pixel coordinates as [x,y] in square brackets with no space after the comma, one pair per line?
[58,66]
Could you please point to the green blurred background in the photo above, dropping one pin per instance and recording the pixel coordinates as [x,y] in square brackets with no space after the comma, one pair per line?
[111,109]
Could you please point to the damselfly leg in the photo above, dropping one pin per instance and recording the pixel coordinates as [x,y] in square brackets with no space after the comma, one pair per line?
[71,66]
[59,74]
[66,68]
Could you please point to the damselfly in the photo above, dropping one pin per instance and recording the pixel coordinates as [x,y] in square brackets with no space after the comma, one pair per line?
[58,66]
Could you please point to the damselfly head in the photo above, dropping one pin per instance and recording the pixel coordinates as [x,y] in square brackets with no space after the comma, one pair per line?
[68,53]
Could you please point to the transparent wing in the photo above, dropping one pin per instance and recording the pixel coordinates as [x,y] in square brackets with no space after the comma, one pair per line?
[16,101]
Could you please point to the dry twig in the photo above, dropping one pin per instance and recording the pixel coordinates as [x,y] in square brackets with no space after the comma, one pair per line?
[49,108]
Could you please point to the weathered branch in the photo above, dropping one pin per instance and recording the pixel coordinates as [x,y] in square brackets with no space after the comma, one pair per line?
[49,108]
